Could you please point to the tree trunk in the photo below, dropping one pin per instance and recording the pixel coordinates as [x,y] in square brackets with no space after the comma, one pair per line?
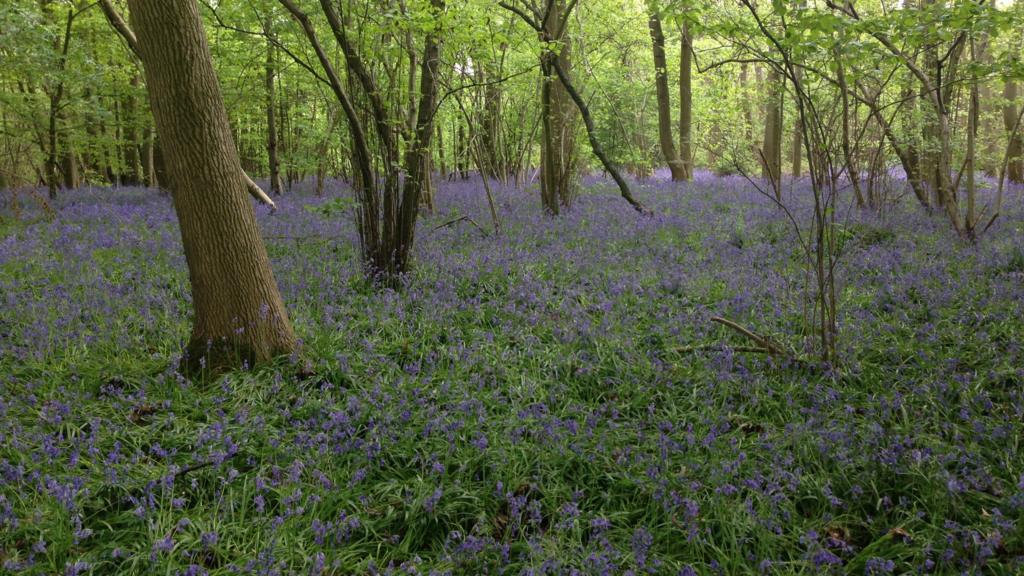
[771,163]
[239,316]
[972,136]
[417,158]
[52,183]
[149,158]
[56,96]
[558,155]
[462,153]
[796,154]
[686,103]
[275,166]
[70,168]
[849,158]
[441,165]
[748,111]
[1015,148]
[668,147]
[131,176]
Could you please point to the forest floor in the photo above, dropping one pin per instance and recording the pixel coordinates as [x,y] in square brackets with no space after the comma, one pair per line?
[526,404]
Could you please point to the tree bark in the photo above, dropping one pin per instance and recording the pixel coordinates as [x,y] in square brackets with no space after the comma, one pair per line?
[668,147]
[973,112]
[239,316]
[686,102]
[56,97]
[748,110]
[417,160]
[848,156]
[1015,148]
[771,163]
[275,166]
[558,154]
[796,154]
[131,176]
[149,158]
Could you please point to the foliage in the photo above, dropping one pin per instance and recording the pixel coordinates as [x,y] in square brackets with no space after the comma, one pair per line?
[523,406]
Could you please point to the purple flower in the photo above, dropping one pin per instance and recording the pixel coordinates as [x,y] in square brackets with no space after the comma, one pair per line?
[432,500]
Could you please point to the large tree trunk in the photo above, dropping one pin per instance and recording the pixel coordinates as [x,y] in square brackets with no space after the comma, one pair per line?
[668,147]
[1015,149]
[239,316]
[275,166]
[686,102]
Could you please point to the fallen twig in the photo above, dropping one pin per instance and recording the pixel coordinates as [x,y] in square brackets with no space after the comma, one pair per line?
[463,219]
[764,342]
[721,348]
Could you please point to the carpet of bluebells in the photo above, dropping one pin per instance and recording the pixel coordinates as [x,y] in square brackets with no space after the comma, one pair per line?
[530,403]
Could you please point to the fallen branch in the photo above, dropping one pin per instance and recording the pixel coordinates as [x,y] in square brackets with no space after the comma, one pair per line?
[721,348]
[463,219]
[256,192]
[763,341]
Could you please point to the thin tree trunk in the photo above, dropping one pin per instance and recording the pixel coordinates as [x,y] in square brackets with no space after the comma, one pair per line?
[686,102]
[131,176]
[796,154]
[558,155]
[442,165]
[418,157]
[275,166]
[972,136]
[748,110]
[1015,149]
[668,147]
[56,98]
[239,316]
[848,156]
[595,145]
[149,158]
[771,163]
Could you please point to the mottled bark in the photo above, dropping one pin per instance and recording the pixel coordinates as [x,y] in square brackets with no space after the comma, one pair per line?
[239,316]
